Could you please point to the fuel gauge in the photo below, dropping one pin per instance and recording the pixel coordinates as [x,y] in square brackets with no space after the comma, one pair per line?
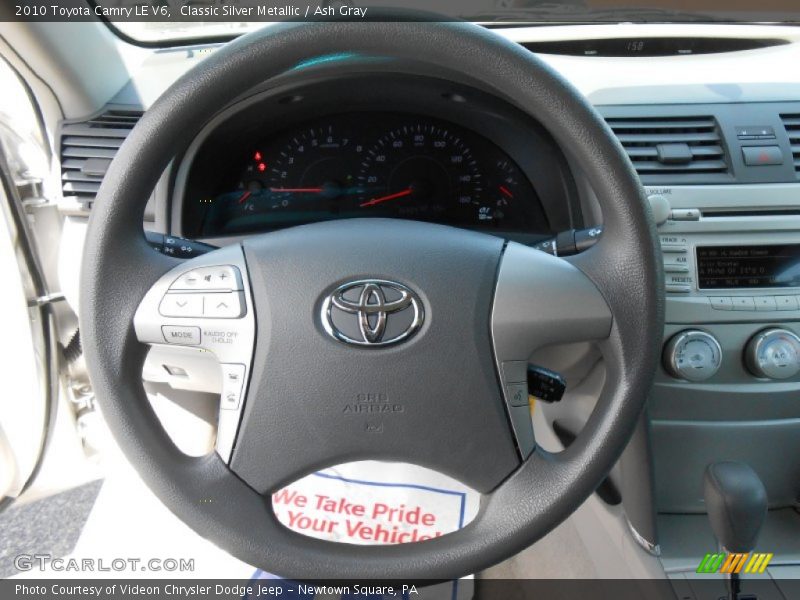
[500,200]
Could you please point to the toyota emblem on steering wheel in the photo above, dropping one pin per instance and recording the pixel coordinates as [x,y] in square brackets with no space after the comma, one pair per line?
[372,312]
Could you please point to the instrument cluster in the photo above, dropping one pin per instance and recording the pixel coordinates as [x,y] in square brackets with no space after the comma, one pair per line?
[363,164]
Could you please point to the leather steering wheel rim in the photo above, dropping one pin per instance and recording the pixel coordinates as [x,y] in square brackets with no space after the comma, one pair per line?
[120,267]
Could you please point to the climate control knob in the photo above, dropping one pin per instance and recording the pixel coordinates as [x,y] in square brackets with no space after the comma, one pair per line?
[773,354]
[693,355]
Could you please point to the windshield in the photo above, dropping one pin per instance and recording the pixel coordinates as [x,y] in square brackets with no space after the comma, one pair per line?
[169,20]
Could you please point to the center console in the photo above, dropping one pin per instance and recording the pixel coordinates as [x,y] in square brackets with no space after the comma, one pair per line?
[729,384]
[723,181]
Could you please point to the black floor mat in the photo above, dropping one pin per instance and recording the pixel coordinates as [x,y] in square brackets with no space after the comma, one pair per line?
[50,526]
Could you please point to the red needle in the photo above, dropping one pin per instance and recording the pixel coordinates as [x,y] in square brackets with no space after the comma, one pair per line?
[297,190]
[244,196]
[405,192]
[505,191]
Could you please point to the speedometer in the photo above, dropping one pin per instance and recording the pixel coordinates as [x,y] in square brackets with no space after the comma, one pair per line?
[420,171]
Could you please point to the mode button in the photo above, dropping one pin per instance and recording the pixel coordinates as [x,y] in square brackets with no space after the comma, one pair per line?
[181,334]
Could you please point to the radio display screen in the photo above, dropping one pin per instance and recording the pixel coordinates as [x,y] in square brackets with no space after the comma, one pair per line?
[748,266]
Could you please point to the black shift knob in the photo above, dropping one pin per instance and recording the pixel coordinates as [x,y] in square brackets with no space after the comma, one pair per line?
[736,502]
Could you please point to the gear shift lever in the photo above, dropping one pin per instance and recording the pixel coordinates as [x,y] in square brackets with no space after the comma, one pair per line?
[736,502]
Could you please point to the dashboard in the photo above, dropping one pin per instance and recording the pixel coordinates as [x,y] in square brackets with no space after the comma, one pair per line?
[409,148]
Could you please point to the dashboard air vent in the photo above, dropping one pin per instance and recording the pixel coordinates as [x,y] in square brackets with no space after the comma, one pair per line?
[673,149]
[87,148]
[792,124]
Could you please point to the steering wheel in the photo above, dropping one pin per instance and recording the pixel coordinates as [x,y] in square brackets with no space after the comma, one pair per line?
[371,339]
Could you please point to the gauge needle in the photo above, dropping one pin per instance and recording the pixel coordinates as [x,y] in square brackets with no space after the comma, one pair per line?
[297,190]
[504,190]
[244,196]
[401,194]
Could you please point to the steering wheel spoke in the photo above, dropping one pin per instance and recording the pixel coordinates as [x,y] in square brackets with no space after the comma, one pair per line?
[540,301]
[205,303]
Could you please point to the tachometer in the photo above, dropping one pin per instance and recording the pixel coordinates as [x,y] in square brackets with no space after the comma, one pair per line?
[419,171]
[314,168]
[294,179]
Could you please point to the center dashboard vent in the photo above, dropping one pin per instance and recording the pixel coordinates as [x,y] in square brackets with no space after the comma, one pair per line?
[792,125]
[677,149]
[87,148]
